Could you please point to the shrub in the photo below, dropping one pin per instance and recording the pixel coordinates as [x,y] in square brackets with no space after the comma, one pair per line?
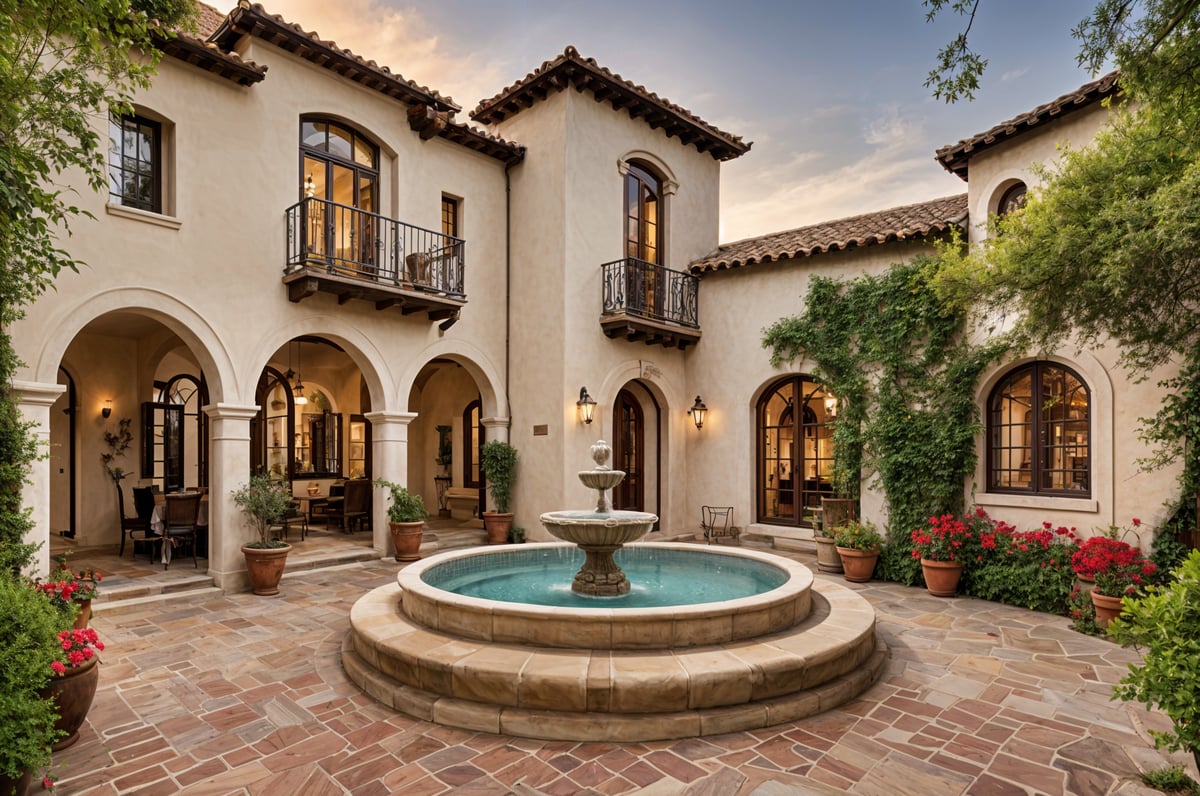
[1100,553]
[1082,612]
[857,535]
[29,627]
[1163,623]
[1030,569]
[406,507]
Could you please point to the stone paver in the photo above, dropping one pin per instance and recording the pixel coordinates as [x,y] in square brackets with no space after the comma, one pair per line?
[245,695]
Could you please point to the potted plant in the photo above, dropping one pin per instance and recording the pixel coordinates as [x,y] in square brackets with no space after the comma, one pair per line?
[1118,582]
[72,590]
[264,500]
[517,535]
[858,544]
[406,521]
[73,685]
[29,625]
[1099,553]
[943,546]
[834,512]
[499,463]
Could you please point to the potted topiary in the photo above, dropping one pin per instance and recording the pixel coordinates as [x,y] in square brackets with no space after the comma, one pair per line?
[264,500]
[499,463]
[858,544]
[406,521]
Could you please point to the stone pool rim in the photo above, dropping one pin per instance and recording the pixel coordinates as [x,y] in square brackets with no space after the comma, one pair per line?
[605,627]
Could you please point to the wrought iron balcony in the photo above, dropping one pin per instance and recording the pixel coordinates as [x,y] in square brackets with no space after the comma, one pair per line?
[353,254]
[644,301]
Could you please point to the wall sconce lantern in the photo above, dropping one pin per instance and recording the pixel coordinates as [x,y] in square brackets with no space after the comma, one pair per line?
[831,404]
[586,406]
[698,411]
[106,412]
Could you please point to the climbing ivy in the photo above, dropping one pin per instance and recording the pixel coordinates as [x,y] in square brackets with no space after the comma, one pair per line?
[900,361]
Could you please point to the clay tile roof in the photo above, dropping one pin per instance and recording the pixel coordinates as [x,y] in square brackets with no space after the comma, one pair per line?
[898,223]
[572,69]
[954,157]
[481,141]
[253,19]
[193,48]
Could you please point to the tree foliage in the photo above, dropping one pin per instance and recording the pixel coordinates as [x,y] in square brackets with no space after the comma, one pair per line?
[63,66]
[900,362]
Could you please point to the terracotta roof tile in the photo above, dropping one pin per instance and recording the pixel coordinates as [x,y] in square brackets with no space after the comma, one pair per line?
[572,69]
[209,20]
[954,157]
[254,20]
[898,223]
[194,48]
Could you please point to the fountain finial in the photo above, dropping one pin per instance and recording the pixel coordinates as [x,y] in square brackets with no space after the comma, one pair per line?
[600,454]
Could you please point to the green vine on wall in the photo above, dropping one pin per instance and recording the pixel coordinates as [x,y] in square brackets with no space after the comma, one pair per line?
[900,361]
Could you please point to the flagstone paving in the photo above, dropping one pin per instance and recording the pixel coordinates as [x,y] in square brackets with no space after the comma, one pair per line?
[245,695]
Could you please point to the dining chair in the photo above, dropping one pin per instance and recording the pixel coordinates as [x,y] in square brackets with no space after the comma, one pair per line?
[354,506]
[139,522]
[179,522]
[292,516]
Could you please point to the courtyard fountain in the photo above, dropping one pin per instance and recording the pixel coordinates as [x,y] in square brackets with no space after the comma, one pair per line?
[694,641]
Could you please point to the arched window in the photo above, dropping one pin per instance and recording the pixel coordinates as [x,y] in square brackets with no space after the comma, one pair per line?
[339,168]
[1012,199]
[795,450]
[1039,432]
[643,214]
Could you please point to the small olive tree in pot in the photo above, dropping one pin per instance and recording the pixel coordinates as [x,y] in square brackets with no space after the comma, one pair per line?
[264,500]
[406,521]
[499,463]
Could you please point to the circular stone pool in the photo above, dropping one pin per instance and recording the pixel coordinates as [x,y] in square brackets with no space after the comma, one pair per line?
[771,595]
[541,575]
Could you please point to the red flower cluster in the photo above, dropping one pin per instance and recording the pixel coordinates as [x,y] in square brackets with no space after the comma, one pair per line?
[78,647]
[1102,554]
[946,538]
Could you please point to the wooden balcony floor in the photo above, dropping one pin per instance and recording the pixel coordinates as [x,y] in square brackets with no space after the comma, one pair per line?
[310,280]
[653,332]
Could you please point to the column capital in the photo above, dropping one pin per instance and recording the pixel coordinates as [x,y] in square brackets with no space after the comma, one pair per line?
[231,411]
[380,418]
[37,393]
[496,422]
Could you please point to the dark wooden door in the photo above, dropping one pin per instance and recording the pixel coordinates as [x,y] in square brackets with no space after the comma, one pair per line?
[629,453]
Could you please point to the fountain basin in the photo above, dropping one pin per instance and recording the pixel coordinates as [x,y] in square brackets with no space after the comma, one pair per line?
[603,626]
[598,529]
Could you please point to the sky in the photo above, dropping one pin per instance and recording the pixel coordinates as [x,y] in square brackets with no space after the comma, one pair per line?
[830,92]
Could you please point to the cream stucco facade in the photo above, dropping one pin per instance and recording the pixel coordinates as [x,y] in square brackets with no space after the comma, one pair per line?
[196,289]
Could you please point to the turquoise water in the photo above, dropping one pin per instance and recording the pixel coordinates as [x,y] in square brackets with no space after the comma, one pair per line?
[659,578]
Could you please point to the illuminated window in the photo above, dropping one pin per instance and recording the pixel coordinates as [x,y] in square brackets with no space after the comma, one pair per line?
[1039,431]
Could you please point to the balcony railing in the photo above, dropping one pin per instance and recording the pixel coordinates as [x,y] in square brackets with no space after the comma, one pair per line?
[636,287]
[348,242]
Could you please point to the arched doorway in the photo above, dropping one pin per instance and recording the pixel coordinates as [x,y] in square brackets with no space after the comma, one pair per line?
[629,447]
[795,450]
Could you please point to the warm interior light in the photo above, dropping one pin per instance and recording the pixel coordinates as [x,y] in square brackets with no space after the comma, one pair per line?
[310,188]
[698,411]
[586,406]
[831,404]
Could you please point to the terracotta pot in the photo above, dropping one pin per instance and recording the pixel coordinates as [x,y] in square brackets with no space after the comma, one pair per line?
[1107,608]
[498,525]
[265,567]
[85,614]
[73,692]
[17,787]
[1085,583]
[828,559]
[406,538]
[858,565]
[941,577]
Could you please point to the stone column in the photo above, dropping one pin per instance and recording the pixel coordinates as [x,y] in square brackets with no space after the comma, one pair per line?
[228,469]
[495,428]
[389,461]
[34,400]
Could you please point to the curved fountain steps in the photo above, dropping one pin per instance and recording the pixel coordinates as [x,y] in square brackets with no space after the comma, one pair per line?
[615,695]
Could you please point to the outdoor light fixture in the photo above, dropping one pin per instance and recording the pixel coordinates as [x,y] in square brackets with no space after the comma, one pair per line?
[698,411]
[831,404]
[106,412]
[298,391]
[586,406]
